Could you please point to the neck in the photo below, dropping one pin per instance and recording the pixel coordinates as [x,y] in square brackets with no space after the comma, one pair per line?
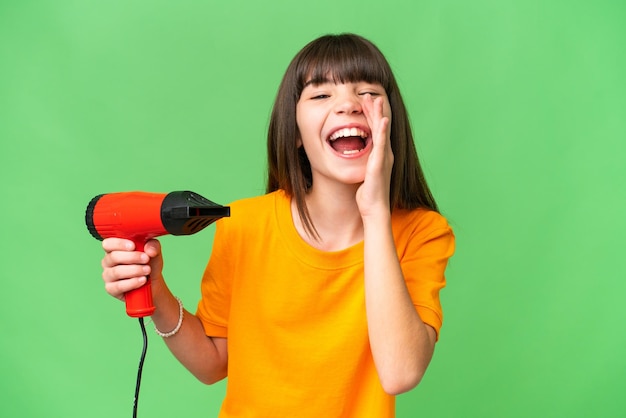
[335,215]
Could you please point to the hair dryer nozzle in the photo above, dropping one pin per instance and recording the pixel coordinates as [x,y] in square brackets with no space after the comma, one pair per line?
[185,212]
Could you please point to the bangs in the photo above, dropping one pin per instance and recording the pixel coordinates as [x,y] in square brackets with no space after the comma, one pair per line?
[342,59]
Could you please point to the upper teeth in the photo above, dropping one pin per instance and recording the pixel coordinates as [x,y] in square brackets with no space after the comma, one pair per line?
[342,133]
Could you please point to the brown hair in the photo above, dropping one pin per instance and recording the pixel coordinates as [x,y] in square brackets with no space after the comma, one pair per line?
[344,58]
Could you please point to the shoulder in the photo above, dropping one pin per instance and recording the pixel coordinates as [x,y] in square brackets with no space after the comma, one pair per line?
[414,228]
[255,203]
[254,211]
[421,221]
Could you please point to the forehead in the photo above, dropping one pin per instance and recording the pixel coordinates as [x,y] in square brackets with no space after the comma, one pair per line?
[342,65]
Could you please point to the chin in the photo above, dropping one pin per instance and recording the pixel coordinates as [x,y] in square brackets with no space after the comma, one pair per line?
[354,178]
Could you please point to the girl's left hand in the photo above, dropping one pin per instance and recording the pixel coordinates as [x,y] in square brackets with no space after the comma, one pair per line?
[373,195]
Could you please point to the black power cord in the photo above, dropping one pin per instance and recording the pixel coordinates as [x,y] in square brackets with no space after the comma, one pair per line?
[141,360]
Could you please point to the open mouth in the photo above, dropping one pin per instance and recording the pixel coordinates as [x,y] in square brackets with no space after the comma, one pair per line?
[348,141]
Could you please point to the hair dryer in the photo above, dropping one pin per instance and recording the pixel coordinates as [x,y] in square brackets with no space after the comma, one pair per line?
[141,216]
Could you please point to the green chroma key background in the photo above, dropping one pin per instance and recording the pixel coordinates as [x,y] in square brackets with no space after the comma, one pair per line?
[519,111]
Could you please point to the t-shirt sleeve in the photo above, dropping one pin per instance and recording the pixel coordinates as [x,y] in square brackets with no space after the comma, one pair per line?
[423,262]
[214,306]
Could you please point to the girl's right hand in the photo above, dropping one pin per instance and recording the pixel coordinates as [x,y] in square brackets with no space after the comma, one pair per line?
[125,269]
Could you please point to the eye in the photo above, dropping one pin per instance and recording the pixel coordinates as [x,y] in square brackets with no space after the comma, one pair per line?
[373,89]
[320,96]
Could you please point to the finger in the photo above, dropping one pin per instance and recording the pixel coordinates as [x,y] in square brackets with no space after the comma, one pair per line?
[115,258]
[384,131]
[383,121]
[117,244]
[123,272]
[120,279]
[120,287]
[374,107]
[373,110]
[369,110]
[152,248]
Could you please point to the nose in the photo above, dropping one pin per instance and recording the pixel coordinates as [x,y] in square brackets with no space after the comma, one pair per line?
[348,103]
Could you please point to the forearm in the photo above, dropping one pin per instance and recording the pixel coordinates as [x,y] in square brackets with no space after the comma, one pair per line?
[402,345]
[204,357]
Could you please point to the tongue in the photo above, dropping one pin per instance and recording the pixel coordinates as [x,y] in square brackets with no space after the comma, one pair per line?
[349,143]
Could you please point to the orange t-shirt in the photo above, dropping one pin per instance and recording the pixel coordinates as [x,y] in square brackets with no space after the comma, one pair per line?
[295,316]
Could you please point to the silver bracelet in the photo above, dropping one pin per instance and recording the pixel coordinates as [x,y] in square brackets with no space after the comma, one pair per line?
[180,322]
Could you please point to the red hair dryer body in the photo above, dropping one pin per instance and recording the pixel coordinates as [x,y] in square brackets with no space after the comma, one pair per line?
[141,216]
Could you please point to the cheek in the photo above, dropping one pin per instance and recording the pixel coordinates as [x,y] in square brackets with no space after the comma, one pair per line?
[299,129]
[301,121]
[306,126]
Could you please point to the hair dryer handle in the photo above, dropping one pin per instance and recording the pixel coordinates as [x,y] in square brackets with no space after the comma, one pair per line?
[139,301]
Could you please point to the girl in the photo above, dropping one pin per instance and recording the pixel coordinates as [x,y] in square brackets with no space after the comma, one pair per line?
[327,305]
